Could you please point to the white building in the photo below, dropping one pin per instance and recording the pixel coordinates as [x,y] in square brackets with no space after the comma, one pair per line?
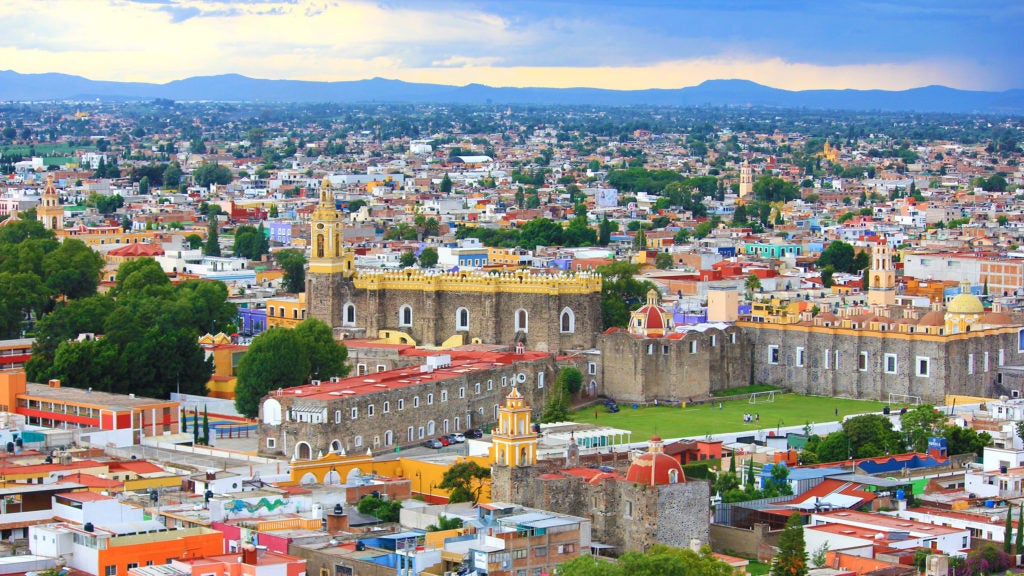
[858,533]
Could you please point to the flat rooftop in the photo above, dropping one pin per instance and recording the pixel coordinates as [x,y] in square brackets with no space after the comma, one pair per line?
[104,400]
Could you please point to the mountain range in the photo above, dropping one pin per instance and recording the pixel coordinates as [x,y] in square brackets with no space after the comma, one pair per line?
[236,88]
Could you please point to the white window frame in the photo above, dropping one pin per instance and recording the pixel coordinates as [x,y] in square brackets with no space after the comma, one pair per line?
[462,391]
[430,399]
[444,395]
[773,354]
[895,364]
[415,401]
[337,416]
[828,359]
[970,363]
[369,410]
[694,346]
[401,403]
[862,361]
[917,366]
[405,311]
[271,442]
[355,413]
[459,324]
[387,406]
[799,356]
[592,368]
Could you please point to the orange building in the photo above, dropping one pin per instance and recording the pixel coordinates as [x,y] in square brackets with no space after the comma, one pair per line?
[252,562]
[14,353]
[124,418]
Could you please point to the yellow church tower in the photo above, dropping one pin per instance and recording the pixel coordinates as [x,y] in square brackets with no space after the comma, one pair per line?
[881,276]
[50,212]
[746,183]
[515,442]
[327,256]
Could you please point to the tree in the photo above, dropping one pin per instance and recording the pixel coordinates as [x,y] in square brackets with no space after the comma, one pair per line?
[273,211]
[1008,531]
[383,510]
[571,380]
[660,560]
[465,482]
[211,173]
[753,283]
[194,241]
[826,276]
[144,185]
[445,523]
[327,356]
[446,184]
[407,259]
[212,247]
[73,269]
[283,358]
[275,359]
[640,240]
[172,175]
[620,291]
[839,255]
[250,242]
[663,261]
[294,264]
[428,258]
[604,232]
[920,424]
[141,276]
[206,427]
[792,557]
[871,435]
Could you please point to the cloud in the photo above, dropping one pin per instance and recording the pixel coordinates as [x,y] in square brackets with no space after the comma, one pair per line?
[638,44]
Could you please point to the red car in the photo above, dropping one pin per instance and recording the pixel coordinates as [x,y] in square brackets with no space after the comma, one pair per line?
[444,440]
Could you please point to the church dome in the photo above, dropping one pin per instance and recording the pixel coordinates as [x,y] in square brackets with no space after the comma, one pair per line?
[933,318]
[965,303]
[655,467]
[650,319]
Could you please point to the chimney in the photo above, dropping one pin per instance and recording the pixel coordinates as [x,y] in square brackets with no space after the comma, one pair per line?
[249,555]
[54,383]
[337,521]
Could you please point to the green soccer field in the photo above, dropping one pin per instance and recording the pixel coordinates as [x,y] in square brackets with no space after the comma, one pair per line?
[698,420]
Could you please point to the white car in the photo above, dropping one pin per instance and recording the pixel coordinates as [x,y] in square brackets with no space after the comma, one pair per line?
[458,437]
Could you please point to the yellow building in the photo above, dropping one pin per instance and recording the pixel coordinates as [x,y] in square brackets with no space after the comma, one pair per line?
[515,442]
[286,312]
[50,212]
[226,356]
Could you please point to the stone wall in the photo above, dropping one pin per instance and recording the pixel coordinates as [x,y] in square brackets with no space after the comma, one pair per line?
[454,401]
[492,303]
[680,369]
[626,515]
[775,361]
[758,542]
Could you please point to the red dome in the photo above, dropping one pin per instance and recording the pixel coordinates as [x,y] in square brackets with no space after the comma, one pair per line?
[655,468]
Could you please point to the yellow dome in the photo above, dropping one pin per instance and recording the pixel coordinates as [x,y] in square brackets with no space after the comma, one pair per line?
[965,304]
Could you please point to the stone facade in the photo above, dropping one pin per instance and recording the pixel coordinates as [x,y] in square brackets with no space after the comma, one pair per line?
[400,407]
[868,364]
[546,312]
[682,366]
[630,516]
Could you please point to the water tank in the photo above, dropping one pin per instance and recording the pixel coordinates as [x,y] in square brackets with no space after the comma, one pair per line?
[338,509]
[88,527]
[990,503]
[900,494]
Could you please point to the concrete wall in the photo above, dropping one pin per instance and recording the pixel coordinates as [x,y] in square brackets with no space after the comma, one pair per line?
[758,542]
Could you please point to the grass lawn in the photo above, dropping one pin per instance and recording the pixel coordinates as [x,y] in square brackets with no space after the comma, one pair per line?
[698,420]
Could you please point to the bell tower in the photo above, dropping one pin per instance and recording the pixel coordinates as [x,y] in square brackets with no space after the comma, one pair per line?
[882,276]
[330,264]
[746,183]
[515,442]
[50,211]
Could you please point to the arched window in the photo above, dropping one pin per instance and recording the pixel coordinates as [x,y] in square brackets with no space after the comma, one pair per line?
[319,245]
[336,446]
[349,318]
[522,320]
[673,476]
[303,451]
[462,319]
[567,322]
[405,315]
[388,438]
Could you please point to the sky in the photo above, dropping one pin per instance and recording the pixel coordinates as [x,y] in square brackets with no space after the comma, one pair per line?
[616,44]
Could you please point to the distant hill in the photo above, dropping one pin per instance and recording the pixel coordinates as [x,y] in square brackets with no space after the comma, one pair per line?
[234,87]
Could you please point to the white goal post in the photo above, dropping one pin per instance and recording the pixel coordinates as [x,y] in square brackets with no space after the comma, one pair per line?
[904,400]
[762,397]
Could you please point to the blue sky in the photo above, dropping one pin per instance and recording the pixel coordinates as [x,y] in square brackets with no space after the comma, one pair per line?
[893,44]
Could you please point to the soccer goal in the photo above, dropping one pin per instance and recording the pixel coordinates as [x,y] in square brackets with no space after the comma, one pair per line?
[904,400]
[762,397]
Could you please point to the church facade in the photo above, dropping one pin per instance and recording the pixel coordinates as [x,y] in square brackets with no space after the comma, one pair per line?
[545,312]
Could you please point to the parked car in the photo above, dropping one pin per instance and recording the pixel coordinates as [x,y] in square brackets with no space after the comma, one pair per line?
[458,437]
[444,440]
[433,443]
[474,433]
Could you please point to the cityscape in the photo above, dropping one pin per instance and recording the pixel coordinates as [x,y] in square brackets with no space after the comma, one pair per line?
[487,296]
